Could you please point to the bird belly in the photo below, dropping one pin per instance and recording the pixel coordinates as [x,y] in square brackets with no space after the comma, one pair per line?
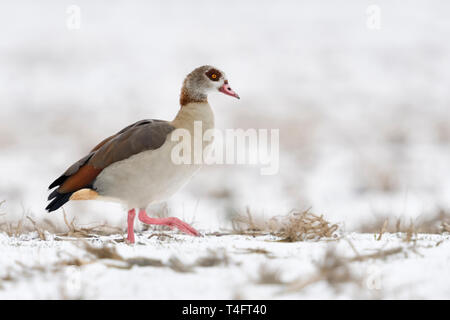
[144,178]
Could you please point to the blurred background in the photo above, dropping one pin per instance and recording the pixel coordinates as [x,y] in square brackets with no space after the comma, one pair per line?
[362,108]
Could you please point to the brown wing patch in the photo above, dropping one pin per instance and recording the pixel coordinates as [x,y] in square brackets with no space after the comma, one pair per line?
[138,137]
[82,178]
[143,136]
[136,124]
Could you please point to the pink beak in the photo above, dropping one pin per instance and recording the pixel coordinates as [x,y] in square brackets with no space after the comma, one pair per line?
[227,90]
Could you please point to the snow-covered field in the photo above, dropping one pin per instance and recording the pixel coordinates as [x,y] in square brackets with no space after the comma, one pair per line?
[225,267]
[364,128]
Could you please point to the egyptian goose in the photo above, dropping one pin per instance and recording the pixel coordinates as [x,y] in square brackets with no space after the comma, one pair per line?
[134,166]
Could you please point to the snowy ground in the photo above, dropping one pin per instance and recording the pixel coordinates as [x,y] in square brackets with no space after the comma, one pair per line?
[175,266]
[363,117]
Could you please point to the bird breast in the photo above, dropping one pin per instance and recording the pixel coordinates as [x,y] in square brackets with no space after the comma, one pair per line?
[152,176]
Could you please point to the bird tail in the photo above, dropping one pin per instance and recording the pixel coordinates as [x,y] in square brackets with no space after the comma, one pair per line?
[59,199]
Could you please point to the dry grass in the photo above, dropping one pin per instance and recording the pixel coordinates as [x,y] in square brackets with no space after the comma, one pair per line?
[248,224]
[86,232]
[378,177]
[333,268]
[446,226]
[110,253]
[213,258]
[40,232]
[267,275]
[222,193]
[301,226]
[296,226]
[160,236]
[442,129]
[69,229]
[177,265]
[8,227]
[437,223]
[263,251]
[111,258]
[12,229]
[144,262]
[103,252]
[27,224]
[380,254]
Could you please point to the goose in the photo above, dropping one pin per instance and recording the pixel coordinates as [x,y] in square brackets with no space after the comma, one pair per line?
[134,166]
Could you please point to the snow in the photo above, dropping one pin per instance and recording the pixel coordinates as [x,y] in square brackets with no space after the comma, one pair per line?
[31,265]
[363,118]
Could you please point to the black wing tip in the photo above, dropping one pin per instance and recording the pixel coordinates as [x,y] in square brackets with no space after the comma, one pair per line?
[52,195]
[59,200]
[57,182]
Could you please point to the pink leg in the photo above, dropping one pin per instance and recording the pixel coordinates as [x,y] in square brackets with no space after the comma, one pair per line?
[171,222]
[130,220]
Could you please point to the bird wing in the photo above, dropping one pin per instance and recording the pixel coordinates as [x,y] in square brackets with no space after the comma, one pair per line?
[141,136]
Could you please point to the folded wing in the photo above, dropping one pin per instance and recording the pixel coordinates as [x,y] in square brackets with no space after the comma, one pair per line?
[139,137]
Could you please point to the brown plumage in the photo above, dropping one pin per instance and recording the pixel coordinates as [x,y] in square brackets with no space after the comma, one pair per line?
[138,137]
[135,166]
[186,97]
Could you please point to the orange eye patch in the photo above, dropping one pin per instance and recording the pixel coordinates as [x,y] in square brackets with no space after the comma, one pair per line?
[214,76]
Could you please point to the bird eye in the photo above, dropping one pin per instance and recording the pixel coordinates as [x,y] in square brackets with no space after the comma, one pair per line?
[213,74]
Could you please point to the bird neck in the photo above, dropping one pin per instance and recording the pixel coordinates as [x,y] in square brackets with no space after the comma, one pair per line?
[192,112]
[190,93]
